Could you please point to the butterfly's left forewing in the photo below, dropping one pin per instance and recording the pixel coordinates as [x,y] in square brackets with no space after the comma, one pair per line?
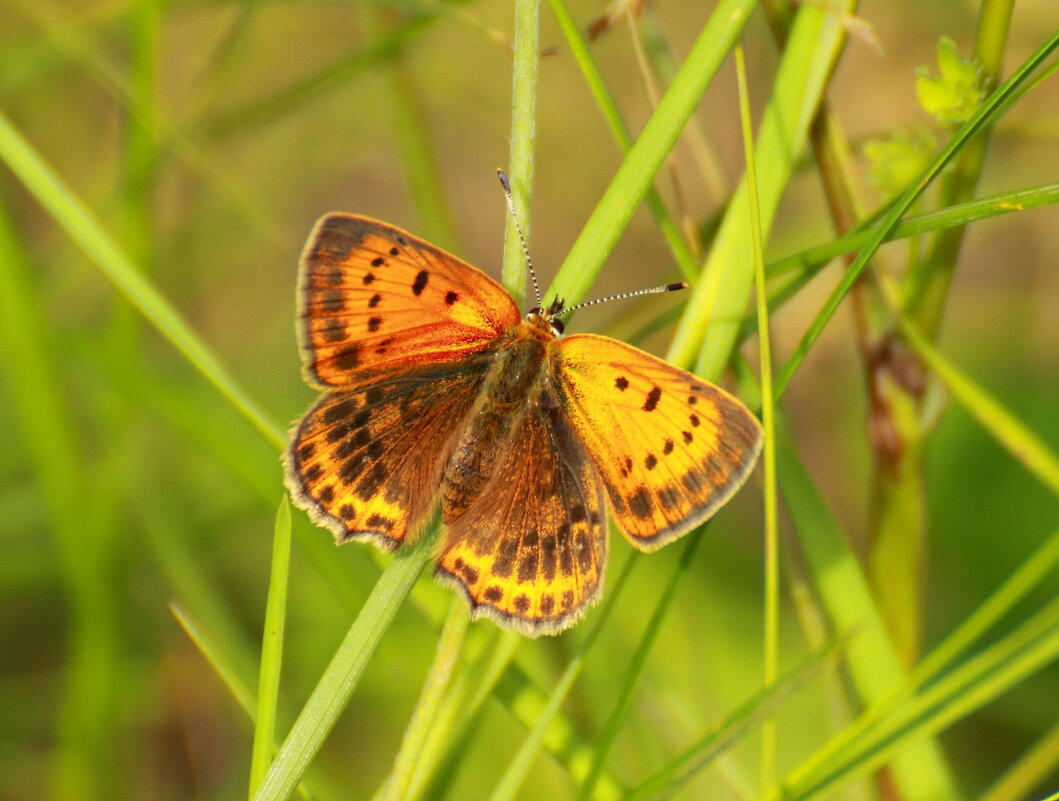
[373,297]
[669,447]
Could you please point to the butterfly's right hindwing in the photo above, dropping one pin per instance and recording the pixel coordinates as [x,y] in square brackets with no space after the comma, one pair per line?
[529,549]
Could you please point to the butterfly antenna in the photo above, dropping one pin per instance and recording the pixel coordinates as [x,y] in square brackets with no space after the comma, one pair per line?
[521,237]
[655,290]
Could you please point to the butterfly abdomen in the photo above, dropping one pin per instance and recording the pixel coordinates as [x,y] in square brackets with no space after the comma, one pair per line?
[506,394]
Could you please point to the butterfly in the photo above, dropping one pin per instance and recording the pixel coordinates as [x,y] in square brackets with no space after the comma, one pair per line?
[437,392]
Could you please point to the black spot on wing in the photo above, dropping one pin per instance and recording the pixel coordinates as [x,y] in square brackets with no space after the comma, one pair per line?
[652,399]
[640,503]
[420,283]
[348,358]
[493,594]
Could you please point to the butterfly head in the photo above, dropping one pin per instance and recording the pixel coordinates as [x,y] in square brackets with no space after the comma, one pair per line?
[548,319]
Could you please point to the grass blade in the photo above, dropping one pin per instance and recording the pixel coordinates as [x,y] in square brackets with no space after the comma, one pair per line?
[632,180]
[271,650]
[515,774]
[772,565]
[743,719]
[336,685]
[450,644]
[986,115]
[82,226]
[873,664]
[707,332]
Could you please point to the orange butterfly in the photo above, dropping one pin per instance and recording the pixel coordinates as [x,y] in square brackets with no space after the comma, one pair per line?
[438,392]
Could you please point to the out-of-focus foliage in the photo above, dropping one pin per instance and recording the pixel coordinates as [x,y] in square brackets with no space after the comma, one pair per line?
[207,137]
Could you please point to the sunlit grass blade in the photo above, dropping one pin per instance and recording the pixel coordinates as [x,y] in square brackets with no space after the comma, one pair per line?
[515,773]
[873,665]
[579,48]
[561,738]
[638,659]
[449,646]
[742,720]
[1021,582]
[271,649]
[83,227]
[636,173]
[706,334]
[1022,652]
[457,722]
[772,566]
[807,262]
[342,675]
[987,114]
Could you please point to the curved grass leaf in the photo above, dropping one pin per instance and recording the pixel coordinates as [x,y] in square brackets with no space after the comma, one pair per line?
[637,171]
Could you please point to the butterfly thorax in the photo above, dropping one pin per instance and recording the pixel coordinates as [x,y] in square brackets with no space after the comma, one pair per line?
[517,380]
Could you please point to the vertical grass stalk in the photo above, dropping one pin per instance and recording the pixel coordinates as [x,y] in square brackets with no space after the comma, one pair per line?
[415,737]
[271,649]
[523,134]
[772,569]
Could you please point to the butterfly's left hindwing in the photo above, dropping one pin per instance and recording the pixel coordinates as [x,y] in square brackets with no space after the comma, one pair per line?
[373,297]
[366,462]
[669,447]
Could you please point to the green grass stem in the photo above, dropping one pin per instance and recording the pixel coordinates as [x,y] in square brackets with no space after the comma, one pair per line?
[271,650]
[637,171]
[772,563]
[515,271]
[450,644]
[985,115]
[338,681]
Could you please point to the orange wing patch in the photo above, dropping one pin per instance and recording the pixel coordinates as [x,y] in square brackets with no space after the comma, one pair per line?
[374,296]
[529,550]
[367,462]
[670,448]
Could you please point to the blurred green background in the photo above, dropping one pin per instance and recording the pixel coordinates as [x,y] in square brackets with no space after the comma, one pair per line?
[208,136]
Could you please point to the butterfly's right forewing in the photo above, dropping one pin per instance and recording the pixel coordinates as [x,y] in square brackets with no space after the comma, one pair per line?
[670,448]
